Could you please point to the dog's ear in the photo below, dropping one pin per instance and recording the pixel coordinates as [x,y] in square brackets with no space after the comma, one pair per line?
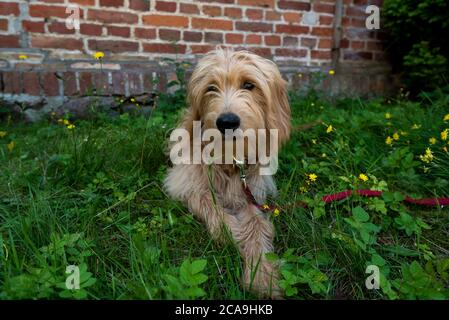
[278,109]
[280,106]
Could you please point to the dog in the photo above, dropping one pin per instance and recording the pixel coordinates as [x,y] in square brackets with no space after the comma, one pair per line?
[231,90]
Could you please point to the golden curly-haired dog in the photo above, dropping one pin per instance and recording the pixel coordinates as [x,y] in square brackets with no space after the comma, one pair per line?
[230,90]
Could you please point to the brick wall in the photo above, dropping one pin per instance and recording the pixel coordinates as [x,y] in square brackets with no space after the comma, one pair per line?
[301,36]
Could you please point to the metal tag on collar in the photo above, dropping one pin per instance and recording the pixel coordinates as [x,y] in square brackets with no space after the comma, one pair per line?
[241,165]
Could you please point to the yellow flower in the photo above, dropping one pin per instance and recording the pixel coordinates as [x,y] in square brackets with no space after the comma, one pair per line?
[312,177]
[331,72]
[11,146]
[99,55]
[396,136]
[71,126]
[389,141]
[363,177]
[432,140]
[276,212]
[66,122]
[415,126]
[388,115]
[3,134]
[427,157]
[133,100]
[266,206]
[23,57]
[444,134]
[446,117]
[329,129]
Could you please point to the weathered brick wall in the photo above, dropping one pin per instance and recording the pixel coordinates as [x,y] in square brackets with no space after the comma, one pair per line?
[136,34]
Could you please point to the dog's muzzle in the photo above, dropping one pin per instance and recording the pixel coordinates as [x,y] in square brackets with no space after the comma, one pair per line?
[227,120]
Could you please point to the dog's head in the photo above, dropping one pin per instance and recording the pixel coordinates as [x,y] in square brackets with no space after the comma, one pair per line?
[238,90]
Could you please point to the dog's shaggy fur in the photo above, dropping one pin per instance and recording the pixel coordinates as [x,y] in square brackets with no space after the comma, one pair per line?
[214,193]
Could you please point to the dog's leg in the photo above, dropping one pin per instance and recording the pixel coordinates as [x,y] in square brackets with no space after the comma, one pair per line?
[255,235]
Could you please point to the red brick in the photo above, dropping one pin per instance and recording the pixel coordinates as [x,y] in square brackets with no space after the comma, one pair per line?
[235,13]
[41,41]
[273,15]
[91,29]
[69,80]
[139,5]
[253,39]
[165,6]
[325,44]
[234,38]
[118,83]
[212,11]
[326,20]
[294,5]
[50,84]
[134,84]
[213,37]
[324,8]
[119,31]
[358,23]
[202,23]
[254,26]
[351,55]
[344,43]
[167,21]
[288,28]
[52,1]
[322,31]
[191,36]
[33,26]
[59,27]
[374,46]
[321,55]
[258,3]
[50,11]
[83,2]
[112,16]
[264,52]
[189,8]
[308,42]
[201,49]
[254,14]
[355,12]
[3,24]
[298,53]
[85,81]
[272,40]
[169,35]
[292,17]
[116,46]
[112,3]
[290,41]
[12,82]
[9,41]
[7,8]
[164,48]
[145,33]
[358,45]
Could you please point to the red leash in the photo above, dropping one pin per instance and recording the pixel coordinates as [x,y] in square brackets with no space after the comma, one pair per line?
[428,202]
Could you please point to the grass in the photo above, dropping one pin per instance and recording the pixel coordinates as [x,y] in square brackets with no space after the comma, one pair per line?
[92,196]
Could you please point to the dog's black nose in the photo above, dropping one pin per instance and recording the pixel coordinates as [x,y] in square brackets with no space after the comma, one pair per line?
[228,120]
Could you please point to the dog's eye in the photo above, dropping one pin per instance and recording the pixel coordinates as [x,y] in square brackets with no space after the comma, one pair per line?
[248,85]
[211,89]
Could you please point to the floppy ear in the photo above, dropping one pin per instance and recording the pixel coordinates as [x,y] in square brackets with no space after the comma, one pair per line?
[278,108]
